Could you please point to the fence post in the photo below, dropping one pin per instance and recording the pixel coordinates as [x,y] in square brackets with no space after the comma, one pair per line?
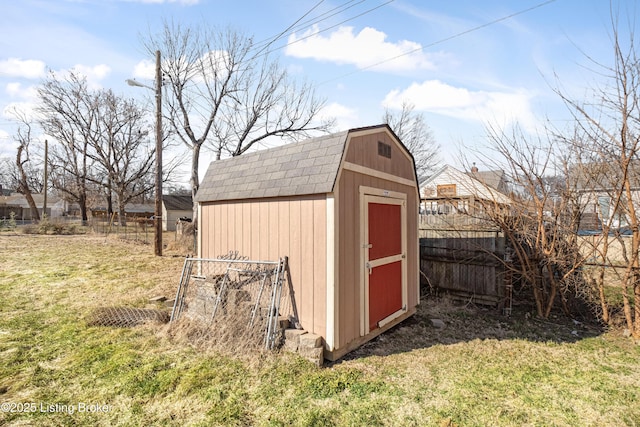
[508,282]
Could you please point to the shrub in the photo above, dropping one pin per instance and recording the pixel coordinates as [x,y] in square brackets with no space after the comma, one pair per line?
[10,223]
[46,226]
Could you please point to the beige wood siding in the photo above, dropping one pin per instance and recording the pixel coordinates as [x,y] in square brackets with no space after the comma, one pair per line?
[363,150]
[349,268]
[267,229]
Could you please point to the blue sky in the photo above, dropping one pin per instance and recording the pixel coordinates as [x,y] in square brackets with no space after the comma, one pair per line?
[472,62]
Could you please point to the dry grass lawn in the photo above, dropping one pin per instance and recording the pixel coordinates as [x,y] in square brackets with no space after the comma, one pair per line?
[481,369]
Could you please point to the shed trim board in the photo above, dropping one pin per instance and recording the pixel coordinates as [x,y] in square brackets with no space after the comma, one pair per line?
[331,272]
[310,201]
[372,172]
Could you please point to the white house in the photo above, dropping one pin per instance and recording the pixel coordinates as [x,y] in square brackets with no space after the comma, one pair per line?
[173,208]
[450,190]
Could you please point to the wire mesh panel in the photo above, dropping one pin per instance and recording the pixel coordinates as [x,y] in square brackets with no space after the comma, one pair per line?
[232,300]
[125,317]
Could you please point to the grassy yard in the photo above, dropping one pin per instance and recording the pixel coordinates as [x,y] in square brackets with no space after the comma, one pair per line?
[481,370]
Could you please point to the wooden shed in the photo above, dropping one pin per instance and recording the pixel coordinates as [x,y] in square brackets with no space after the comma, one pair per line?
[344,209]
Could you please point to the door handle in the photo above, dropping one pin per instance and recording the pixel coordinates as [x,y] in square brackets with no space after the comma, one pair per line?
[368,266]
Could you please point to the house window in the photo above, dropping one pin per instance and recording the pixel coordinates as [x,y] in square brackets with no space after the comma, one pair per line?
[384,150]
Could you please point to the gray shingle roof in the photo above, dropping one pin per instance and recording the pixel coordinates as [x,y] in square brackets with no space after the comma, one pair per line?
[493,178]
[306,167]
[177,202]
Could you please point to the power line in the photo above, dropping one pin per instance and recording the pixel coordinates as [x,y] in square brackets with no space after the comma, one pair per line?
[331,27]
[479,27]
[288,28]
[307,24]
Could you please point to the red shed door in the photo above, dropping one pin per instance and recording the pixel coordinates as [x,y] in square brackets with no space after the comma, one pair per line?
[385,260]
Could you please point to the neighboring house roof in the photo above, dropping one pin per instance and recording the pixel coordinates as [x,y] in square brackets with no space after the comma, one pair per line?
[18,199]
[601,176]
[178,203]
[306,167]
[130,208]
[466,185]
[495,179]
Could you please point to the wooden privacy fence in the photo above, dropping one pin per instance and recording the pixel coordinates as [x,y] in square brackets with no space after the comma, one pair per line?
[462,257]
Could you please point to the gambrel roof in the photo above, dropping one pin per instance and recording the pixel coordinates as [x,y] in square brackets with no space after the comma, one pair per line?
[306,167]
[302,168]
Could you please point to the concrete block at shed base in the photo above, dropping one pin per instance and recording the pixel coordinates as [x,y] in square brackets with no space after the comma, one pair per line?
[310,341]
[292,339]
[314,355]
[283,322]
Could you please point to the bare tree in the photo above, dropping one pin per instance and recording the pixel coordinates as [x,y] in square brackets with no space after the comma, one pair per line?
[69,117]
[220,95]
[416,135]
[592,171]
[121,148]
[608,158]
[10,175]
[102,142]
[541,223]
[24,139]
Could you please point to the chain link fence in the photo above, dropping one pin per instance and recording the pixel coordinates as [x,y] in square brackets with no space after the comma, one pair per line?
[233,302]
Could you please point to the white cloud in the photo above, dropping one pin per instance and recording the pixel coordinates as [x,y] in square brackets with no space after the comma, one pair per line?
[501,108]
[17,90]
[145,69]
[17,110]
[24,104]
[346,118]
[97,72]
[29,68]
[14,89]
[94,74]
[365,49]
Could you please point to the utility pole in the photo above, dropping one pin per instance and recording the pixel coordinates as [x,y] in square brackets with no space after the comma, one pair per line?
[157,217]
[158,207]
[46,177]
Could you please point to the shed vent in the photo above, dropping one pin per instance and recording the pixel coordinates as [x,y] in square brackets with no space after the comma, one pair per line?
[384,150]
